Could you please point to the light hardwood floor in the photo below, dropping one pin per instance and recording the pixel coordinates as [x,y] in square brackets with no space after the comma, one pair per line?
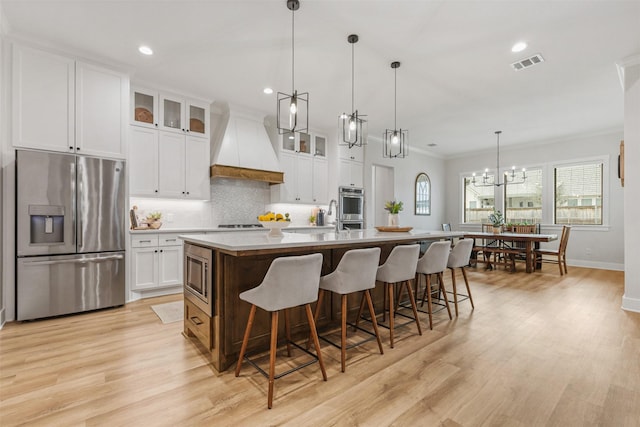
[539,349]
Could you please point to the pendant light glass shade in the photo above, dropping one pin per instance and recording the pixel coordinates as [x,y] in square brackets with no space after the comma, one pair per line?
[494,181]
[353,126]
[395,142]
[292,109]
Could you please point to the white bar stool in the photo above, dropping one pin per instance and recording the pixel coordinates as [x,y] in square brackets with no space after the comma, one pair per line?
[356,272]
[459,258]
[289,282]
[434,261]
[400,268]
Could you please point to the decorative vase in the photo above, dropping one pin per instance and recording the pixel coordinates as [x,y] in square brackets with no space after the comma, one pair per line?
[393,220]
[497,230]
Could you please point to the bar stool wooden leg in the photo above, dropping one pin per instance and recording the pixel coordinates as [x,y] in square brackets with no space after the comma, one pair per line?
[316,314]
[455,293]
[367,294]
[413,305]
[287,331]
[272,356]
[343,334]
[360,310]
[444,292]
[391,290]
[316,342]
[245,340]
[427,292]
[466,282]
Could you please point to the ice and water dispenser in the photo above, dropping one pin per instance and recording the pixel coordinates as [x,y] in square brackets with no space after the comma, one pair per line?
[46,224]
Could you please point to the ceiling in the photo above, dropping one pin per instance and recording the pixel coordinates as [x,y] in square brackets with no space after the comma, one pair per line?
[455,85]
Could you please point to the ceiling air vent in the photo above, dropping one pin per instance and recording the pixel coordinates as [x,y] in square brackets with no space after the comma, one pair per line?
[528,62]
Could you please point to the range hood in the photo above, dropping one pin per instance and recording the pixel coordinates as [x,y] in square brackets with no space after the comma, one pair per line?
[244,151]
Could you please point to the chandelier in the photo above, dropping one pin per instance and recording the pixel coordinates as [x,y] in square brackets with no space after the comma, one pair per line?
[293,110]
[395,141]
[354,127]
[509,176]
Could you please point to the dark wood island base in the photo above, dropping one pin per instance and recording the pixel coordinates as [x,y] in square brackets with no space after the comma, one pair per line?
[240,262]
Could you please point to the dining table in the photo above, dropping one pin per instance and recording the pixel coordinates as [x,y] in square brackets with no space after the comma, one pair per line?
[529,239]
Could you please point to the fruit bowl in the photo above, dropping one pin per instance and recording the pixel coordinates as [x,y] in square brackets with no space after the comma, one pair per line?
[275,227]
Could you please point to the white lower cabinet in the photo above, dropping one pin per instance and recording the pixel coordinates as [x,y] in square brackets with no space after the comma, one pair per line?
[156,261]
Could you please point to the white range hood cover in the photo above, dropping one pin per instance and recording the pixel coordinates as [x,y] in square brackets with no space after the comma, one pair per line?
[245,151]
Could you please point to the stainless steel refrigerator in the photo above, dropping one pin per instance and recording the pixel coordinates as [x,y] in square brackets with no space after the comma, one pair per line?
[70,234]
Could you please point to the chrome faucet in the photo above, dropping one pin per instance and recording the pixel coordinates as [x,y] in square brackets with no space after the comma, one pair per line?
[333,202]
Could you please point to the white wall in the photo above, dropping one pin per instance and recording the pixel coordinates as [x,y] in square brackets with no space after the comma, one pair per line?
[405,172]
[631,298]
[597,247]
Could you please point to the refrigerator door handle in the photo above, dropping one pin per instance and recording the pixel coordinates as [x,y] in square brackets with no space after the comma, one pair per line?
[75,261]
[80,233]
[74,216]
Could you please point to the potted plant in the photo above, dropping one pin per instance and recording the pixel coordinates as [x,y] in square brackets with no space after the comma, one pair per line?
[393,208]
[153,219]
[497,220]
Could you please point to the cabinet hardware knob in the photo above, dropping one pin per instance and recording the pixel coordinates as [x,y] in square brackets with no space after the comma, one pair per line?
[156,124]
[70,148]
[78,149]
[155,191]
[187,192]
[160,250]
[156,251]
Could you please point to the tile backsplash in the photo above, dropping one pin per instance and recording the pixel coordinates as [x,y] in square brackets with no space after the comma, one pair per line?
[236,201]
[232,201]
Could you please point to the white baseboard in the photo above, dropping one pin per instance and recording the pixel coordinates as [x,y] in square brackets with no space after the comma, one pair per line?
[136,295]
[596,264]
[631,304]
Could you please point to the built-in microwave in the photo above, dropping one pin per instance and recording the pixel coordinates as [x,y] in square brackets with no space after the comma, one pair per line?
[198,277]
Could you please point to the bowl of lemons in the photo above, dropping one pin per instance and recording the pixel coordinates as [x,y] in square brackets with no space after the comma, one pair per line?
[275,222]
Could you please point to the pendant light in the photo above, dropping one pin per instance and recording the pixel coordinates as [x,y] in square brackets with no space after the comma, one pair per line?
[354,127]
[395,141]
[293,110]
[509,176]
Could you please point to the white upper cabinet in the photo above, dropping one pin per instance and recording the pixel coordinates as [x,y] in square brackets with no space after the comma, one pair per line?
[351,173]
[101,105]
[355,153]
[166,164]
[43,100]
[61,104]
[178,164]
[143,161]
[171,165]
[144,109]
[303,159]
[169,112]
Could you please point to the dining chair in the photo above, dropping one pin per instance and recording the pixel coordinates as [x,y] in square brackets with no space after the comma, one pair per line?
[289,282]
[558,256]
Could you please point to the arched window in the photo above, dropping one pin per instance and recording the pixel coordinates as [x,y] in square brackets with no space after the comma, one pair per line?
[423,194]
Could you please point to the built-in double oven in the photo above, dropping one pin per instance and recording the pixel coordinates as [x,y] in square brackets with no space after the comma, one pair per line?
[198,277]
[350,208]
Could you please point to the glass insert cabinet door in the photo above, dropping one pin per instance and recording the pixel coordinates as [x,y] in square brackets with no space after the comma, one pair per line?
[172,113]
[423,194]
[145,108]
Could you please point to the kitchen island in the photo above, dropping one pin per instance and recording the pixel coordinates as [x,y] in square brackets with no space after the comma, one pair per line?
[240,261]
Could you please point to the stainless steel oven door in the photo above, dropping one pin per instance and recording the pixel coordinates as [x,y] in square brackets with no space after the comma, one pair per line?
[198,276]
[351,208]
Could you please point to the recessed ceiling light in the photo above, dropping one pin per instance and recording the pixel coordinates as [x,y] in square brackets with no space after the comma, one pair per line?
[145,50]
[519,47]
[268,90]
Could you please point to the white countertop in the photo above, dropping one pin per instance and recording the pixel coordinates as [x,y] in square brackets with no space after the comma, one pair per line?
[256,241]
[224,230]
